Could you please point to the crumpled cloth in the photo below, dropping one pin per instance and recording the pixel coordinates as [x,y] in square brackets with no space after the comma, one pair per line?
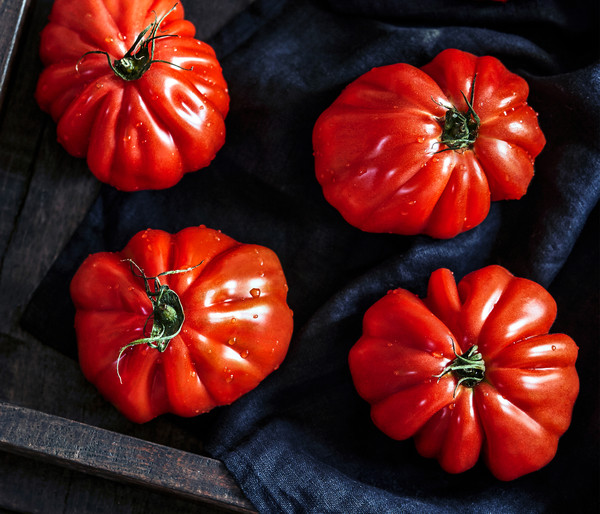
[303,440]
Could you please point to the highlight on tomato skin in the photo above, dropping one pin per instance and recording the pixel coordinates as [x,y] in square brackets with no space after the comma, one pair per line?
[409,150]
[180,323]
[132,90]
[470,371]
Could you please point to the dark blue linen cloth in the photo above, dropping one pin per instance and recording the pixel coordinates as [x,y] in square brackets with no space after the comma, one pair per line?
[303,440]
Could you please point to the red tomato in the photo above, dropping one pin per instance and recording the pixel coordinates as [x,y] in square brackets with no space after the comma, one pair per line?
[470,368]
[180,323]
[408,151]
[148,103]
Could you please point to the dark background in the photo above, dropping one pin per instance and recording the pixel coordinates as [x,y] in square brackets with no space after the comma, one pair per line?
[303,440]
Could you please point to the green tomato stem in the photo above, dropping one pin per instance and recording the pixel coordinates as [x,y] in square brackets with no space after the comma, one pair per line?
[140,56]
[468,368]
[167,312]
[460,129]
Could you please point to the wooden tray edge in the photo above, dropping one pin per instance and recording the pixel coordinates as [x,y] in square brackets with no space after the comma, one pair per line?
[118,457]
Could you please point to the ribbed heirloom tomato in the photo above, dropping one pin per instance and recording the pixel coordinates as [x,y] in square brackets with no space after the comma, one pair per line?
[132,90]
[180,323]
[471,368]
[408,150]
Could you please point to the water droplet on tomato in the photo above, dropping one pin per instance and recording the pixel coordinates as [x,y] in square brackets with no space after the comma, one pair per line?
[255,316]
[233,320]
[451,406]
[232,341]
[421,140]
[244,354]
[553,348]
[255,292]
[108,39]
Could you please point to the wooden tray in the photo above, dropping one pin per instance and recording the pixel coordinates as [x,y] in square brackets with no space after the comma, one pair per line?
[59,442]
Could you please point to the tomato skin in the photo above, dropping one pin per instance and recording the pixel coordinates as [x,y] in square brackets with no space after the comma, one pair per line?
[379,156]
[236,331]
[136,134]
[515,415]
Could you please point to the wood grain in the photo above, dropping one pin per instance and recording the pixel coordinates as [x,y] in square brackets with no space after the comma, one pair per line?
[118,457]
[12,20]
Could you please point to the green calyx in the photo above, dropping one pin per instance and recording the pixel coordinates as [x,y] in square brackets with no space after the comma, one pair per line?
[460,129]
[140,56]
[468,368]
[167,312]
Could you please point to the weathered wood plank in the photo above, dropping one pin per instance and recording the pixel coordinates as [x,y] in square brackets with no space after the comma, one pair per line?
[46,222]
[12,19]
[35,486]
[21,121]
[118,457]
[42,379]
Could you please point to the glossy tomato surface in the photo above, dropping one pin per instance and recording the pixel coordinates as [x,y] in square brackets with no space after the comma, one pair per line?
[236,324]
[408,150]
[136,133]
[470,369]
